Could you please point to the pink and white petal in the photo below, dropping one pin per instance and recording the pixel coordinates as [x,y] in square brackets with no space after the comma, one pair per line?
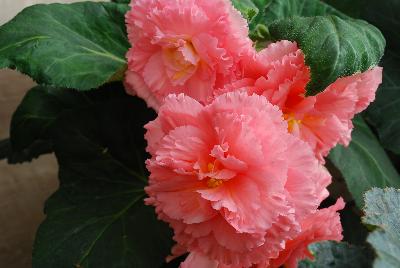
[200,85]
[303,174]
[339,99]
[155,76]
[181,148]
[140,53]
[135,85]
[196,260]
[180,110]
[154,135]
[186,205]
[367,86]
[323,133]
[176,251]
[275,52]
[322,225]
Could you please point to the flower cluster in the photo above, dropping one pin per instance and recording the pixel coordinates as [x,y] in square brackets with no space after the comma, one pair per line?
[237,150]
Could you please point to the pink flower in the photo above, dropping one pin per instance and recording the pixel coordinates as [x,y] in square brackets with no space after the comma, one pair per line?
[280,74]
[184,46]
[322,225]
[229,178]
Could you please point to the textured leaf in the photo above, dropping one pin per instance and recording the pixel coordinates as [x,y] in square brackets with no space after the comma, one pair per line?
[352,8]
[279,9]
[364,164]
[384,112]
[385,16]
[269,11]
[80,45]
[97,218]
[121,1]
[333,47]
[5,148]
[339,255]
[36,149]
[382,209]
[35,116]
[247,7]
[34,119]
[351,220]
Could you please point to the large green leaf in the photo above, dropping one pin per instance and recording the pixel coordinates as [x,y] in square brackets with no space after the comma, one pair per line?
[35,116]
[364,164]
[337,255]
[385,16]
[279,9]
[333,47]
[382,209]
[268,11]
[79,45]
[97,218]
[121,1]
[247,7]
[384,112]
[34,150]
[5,148]
[352,8]
[334,44]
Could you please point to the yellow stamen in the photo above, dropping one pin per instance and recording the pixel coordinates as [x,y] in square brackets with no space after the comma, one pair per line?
[291,121]
[210,167]
[181,66]
[180,74]
[214,183]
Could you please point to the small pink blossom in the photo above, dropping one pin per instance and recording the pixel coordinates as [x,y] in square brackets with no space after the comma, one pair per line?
[320,226]
[184,46]
[279,73]
[229,178]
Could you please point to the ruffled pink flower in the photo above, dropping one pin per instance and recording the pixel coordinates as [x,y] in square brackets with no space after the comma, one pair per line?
[184,46]
[280,74]
[229,178]
[320,226]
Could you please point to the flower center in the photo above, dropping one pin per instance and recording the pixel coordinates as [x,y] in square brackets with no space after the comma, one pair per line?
[181,60]
[213,182]
[292,122]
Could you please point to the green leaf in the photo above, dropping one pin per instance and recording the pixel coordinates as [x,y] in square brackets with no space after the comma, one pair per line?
[33,121]
[351,220]
[121,1]
[36,149]
[5,148]
[385,16]
[248,9]
[382,210]
[351,8]
[80,45]
[333,47]
[36,114]
[97,218]
[272,10]
[279,9]
[339,255]
[384,112]
[364,164]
